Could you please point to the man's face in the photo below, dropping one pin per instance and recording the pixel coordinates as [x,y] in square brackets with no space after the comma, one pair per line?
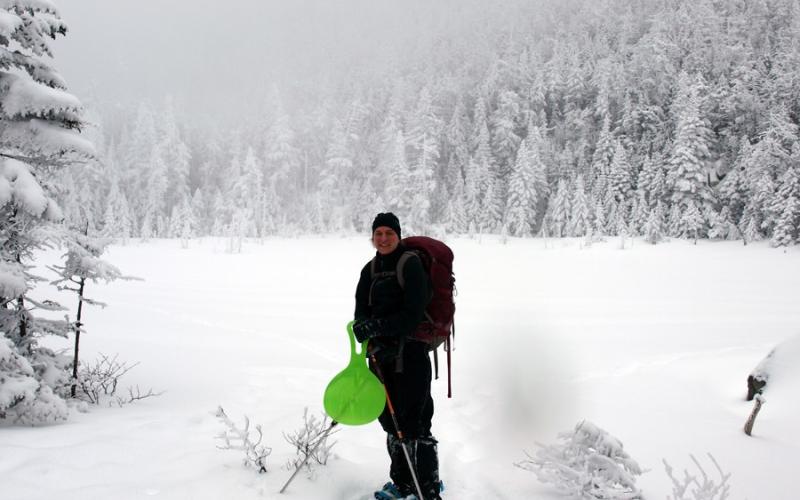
[385,240]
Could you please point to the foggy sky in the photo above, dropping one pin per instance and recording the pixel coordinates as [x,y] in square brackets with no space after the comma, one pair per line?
[216,58]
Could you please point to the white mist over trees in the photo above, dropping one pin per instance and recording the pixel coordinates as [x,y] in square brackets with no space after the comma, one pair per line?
[571,118]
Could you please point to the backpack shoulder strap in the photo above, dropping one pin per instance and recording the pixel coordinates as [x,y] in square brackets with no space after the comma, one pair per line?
[401,264]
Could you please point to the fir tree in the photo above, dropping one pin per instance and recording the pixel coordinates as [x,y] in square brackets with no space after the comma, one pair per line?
[521,194]
[654,227]
[579,224]
[599,221]
[619,176]
[559,210]
[398,185]
[457,221]
[39,121]
[787,205]
[690,150]
[505,140]
[603,152]
[691,222]
[786,228]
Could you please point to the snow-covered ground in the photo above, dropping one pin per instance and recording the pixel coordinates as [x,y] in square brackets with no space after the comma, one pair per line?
[651,343]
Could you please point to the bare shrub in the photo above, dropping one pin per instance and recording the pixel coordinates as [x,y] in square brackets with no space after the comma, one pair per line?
[310,443]
[703,487]
[245,440]
[98,382]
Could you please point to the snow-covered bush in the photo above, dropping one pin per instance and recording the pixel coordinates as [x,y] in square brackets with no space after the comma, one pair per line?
[692,487]
[24,399]
[589,464]
[236,438]
[310,443]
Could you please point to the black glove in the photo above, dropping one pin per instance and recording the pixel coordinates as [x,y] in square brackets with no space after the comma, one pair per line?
[367,328]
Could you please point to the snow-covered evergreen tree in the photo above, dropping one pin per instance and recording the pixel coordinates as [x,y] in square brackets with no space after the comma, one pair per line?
[505,140]
[281,156]
[691,222]
[690,150]
[579,222]
[559,210]
[338,166]
[39,122]
[521,194]
[653,229]
[620,181]
[598,221]
[457,222]
[82,264]
[604,152]
[787,206]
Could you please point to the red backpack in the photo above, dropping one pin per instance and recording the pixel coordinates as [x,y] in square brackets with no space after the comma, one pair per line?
[439,326]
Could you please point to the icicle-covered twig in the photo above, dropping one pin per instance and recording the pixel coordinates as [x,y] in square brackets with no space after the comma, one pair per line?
[236,438]
[692,487]
[310,442]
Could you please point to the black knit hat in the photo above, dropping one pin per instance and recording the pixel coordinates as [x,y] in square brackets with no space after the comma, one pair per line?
[387,219]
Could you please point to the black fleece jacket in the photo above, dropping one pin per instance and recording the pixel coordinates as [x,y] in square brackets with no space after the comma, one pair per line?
[399,309]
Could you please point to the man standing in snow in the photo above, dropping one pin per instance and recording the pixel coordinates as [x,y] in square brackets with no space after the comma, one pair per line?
[387,314]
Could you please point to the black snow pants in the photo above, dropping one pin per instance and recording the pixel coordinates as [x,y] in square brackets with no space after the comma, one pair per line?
[409,387]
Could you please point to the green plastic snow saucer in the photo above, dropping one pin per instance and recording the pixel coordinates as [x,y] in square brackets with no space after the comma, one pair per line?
[355,396]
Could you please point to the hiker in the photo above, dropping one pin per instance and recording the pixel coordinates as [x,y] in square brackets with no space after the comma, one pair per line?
[387,314]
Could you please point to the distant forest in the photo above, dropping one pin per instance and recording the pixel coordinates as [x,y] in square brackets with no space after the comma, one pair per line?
[658,118]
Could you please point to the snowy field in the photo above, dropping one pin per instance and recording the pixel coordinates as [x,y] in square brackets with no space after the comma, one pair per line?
[651,343]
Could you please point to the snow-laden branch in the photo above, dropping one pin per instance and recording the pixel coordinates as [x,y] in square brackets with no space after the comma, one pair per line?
[589,464]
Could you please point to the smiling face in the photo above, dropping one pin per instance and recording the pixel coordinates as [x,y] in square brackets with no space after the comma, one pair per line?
[385,240]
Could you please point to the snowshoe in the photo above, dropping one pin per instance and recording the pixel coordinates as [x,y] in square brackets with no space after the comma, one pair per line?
[390,491]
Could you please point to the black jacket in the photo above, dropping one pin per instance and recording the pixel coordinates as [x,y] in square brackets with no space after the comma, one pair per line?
[400,309]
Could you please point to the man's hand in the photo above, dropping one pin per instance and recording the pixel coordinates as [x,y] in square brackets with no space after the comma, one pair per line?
[366,329]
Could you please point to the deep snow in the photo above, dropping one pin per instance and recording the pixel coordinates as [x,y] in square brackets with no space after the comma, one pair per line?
[651,343]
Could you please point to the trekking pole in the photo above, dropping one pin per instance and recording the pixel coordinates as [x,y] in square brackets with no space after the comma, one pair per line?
[321,440]
[397,427]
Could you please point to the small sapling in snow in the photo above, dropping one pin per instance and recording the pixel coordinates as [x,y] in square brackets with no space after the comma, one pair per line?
[245,440]
[311,443]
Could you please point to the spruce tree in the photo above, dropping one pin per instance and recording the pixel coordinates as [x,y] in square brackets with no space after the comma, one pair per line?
[654,227]
[787,206]
[579,224]
[691,222]
[456,219]
[620,180]
[505,140]
[690,150]
[603,153]
[520,193]
[559,210]
[39,124]
[599,229]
